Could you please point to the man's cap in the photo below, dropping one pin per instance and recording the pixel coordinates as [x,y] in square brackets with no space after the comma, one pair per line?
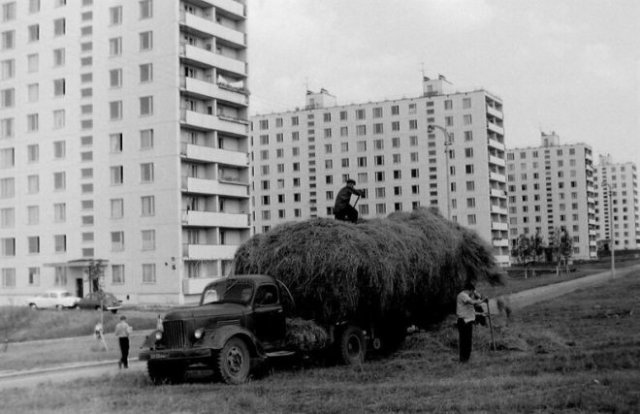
[351,181]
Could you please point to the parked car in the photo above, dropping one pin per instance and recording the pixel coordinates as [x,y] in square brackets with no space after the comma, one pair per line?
[56,299]
[93,301]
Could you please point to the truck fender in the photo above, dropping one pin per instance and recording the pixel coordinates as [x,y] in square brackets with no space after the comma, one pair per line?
[221,335]
[150,340]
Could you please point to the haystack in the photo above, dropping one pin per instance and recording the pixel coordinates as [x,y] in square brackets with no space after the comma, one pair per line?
[408,265]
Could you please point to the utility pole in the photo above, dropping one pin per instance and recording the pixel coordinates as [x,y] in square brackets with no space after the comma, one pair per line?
[447,143]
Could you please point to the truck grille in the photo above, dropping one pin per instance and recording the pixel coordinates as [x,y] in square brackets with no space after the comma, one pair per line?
[174,334]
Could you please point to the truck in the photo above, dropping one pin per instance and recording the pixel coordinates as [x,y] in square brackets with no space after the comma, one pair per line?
[240,323]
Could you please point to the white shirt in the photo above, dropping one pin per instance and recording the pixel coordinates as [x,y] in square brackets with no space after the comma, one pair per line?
[464,307]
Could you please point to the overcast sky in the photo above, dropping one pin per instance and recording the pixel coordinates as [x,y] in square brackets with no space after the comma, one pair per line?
[572,66]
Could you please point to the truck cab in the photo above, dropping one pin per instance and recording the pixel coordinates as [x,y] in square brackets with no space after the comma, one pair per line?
[239,321]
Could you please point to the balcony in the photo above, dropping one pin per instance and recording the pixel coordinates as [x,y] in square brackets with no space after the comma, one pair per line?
[204,89]
[500,242]
[499,210]
[214,155]
[230,6]
[224,188]
[497,193]
[499,226]
[211,122]
[494,112]
[497,161]
[503,260]
[497,177]
[496,144]
[196,286]
[209,27]
[495,128]
[203,56]
[215,219]
[209,251]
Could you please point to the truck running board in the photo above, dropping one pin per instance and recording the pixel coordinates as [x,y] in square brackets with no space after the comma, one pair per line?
[278,354]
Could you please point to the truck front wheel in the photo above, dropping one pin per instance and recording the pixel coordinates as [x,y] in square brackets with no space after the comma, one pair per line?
[234,362]
[352,346]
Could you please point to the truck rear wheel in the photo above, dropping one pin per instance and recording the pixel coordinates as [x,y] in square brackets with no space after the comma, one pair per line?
[165,373]
[352,346]
[234,362]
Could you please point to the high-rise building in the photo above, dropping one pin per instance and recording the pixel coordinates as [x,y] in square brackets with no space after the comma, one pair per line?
[124,139]
[444,149]
[617,187]
[551,189]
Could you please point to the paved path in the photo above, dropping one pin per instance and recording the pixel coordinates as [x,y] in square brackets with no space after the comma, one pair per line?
[516,301]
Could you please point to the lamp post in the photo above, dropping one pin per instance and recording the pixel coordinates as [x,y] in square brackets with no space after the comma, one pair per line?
[611,234]
[447,142]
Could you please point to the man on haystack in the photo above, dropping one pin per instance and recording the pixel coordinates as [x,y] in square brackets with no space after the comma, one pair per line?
[343,210]
[466,312]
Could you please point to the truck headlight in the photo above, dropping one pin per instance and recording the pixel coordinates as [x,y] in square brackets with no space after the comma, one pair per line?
[158,335]
[198,333]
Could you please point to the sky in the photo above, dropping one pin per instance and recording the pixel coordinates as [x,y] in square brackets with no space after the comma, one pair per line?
[569,66]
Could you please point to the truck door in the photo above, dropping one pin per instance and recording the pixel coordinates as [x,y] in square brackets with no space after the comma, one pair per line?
[269,322]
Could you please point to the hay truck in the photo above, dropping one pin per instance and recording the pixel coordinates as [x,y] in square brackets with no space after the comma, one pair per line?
[241,321]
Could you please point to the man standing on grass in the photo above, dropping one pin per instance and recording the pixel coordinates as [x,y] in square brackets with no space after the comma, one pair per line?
[466,313]
[123,330]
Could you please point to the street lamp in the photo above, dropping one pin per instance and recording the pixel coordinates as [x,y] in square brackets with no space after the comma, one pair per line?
[611,234]
[448,140]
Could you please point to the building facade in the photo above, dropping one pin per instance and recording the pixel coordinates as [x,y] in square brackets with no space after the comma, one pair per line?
[552,187]
[617,204]
[444,149]
[124,139]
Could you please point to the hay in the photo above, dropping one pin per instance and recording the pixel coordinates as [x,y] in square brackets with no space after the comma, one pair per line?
[306,335]
[409,265]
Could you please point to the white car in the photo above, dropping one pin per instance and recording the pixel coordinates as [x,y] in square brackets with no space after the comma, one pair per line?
[56,299]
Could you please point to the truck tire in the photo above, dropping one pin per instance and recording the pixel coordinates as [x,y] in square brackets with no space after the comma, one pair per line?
[165,373]
[352,347]
[234,362]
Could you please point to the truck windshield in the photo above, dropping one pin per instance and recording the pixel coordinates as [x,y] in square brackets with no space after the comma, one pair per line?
[228,291]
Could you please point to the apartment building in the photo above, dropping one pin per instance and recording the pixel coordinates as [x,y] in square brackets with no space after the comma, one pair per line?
[552,187]
[444,148]
[617,204]
[124,139]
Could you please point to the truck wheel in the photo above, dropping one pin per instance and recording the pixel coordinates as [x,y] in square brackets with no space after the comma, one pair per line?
[352,346]
[234,362]
[165,373]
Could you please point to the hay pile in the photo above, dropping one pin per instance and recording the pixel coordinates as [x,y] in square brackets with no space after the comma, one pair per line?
[408,265]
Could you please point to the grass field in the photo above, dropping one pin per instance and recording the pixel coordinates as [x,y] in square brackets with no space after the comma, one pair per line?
[576,354]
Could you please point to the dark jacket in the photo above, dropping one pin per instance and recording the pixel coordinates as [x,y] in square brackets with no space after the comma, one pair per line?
[344,197]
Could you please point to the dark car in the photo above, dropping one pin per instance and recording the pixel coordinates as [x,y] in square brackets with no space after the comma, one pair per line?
[96,299]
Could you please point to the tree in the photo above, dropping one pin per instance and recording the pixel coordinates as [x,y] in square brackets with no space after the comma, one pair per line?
[522,251]
[563,248]
[95,272]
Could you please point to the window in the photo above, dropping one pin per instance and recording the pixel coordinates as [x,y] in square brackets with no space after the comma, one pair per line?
[395,110]
[148,206]
[149,273]
[59,118]
[468,168]
[115,46]
[7,187]
[59,212]
[60,243]
[146,72]
[34,276]
[6,128]
[7,218]
[59,149]
[117,208]
[413,124]
[146,11]
[448,104]
[360,114]
[59,181]
[117,241]
[115,142]
[33,215]
[8,40]
[117,175]
[115,15]
[7,69]
[146,105]
[8,246]
[115,110]
[7,157]
[471,219]
[7,98]
[146,172]
[466,103]
[146,41]
[9,11]
[8,277]
[146,139]
[448,121]
[117,274]
[59,27]
[33,92]
[34,32]
[148,239]
[115,78]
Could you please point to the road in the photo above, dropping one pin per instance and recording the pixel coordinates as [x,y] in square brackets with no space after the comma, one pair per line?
[516,301]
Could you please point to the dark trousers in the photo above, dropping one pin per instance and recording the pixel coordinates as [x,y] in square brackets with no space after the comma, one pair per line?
[465,329]
[124,351]
[347,213]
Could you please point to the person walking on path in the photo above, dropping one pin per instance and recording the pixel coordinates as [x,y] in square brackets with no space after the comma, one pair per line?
[465,310]
[123,330]
[342,209]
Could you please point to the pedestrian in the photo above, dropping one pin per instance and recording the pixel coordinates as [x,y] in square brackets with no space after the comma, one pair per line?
[123,330]
[342,209]
[466,312]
